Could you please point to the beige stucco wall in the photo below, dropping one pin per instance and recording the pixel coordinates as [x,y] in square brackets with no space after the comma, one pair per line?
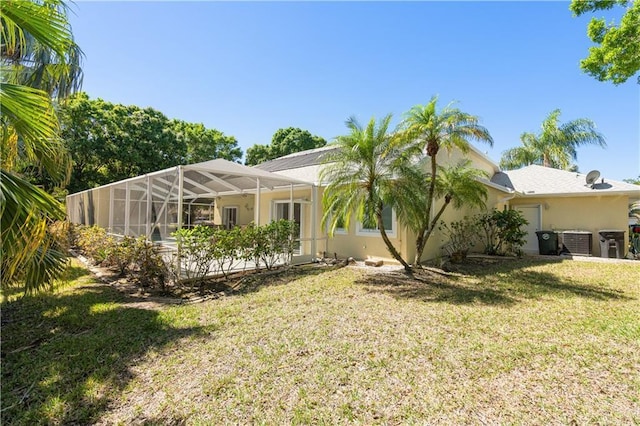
[586,213]
[477,161]
[495,199]
[372,246]
[244,203]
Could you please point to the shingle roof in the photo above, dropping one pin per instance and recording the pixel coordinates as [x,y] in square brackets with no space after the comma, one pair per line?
[537,180]
[311,157]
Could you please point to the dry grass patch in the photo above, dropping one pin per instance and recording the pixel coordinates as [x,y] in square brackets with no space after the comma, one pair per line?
[511,342]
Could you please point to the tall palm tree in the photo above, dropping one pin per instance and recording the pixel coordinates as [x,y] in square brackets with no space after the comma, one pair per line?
[362,175]
[37,57]
[555,146]
[426,131]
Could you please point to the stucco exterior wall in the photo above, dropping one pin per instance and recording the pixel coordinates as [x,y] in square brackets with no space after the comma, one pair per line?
[477,161]
[244,203]
[586,213]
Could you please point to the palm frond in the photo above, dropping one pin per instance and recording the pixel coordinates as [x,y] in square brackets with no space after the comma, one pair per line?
[44,21]
[25,213]
[29,114]
[556,145]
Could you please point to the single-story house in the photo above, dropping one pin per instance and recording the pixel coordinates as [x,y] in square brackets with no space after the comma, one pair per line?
[228,194]
[573,204]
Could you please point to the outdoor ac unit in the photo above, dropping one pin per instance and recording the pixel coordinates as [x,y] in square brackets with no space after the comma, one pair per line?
[576,242]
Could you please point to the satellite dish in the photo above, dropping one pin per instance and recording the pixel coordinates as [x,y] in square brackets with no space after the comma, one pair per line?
[592,177]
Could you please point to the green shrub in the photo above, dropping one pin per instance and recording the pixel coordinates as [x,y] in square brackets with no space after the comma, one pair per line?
[64,233]
[503,231]
[94,243]
[150,270]
[461,236]
[277,243]
[227,249]
[195,255]
[121,254]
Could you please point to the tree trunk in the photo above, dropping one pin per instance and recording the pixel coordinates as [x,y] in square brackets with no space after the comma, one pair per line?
[421,242]
[423,235]
[387,241]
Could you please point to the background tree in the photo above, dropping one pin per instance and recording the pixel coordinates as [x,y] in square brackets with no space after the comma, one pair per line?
[284,142]
[425,132]
[39,60]
[555,146]
[362,174]
[110,142]
[617,56]
[205,144]
[635,181]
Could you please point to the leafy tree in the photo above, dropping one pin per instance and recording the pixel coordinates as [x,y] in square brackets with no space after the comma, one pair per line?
[257,154]
[555,146]
[617,56]
[110,142]
[205,144]
[39,60]
[425,132]
[363,174]
[284,142]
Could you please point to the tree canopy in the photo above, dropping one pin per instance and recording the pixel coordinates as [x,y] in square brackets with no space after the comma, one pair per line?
[284,142]
[616,57]
[109,142]
[362,174]
[556,144]
[425,131]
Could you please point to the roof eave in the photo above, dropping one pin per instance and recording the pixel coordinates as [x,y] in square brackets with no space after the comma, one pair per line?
[578,194]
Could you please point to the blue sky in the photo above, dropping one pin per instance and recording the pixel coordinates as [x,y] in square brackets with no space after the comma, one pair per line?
[248,69]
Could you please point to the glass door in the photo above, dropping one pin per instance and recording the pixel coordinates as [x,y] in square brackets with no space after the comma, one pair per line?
[282,212]
[229,217]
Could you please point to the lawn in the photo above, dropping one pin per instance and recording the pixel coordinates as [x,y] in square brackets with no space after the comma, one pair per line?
[518,341]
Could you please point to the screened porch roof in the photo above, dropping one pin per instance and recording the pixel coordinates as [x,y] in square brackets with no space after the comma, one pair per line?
[209,179]
[221,177]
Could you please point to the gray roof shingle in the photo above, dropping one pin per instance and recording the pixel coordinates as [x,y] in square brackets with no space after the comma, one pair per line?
[537,180]
[311,157]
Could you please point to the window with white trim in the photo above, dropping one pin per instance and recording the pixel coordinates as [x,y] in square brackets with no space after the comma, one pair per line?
[340,228]
[369,227]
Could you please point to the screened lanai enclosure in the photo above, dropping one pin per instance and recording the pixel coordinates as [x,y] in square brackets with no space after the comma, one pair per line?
[216,193]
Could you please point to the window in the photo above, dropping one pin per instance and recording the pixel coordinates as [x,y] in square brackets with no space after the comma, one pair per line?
[340,228]
[369,226]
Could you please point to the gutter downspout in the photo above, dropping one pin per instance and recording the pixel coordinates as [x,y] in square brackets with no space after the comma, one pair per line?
[506,199]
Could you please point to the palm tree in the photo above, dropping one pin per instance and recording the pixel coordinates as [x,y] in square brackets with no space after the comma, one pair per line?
[37,52]
[555,146]
[362,174]
[458,185]
[427,131]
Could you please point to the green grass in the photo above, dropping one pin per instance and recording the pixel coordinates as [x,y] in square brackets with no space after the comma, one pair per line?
[514,342]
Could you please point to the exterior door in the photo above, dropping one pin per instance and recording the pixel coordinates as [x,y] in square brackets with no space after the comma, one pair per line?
[533,215]
[282,212]
[229,217]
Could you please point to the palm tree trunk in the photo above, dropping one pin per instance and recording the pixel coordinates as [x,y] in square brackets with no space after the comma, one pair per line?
[421,242]
[423,235]
[387,241]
